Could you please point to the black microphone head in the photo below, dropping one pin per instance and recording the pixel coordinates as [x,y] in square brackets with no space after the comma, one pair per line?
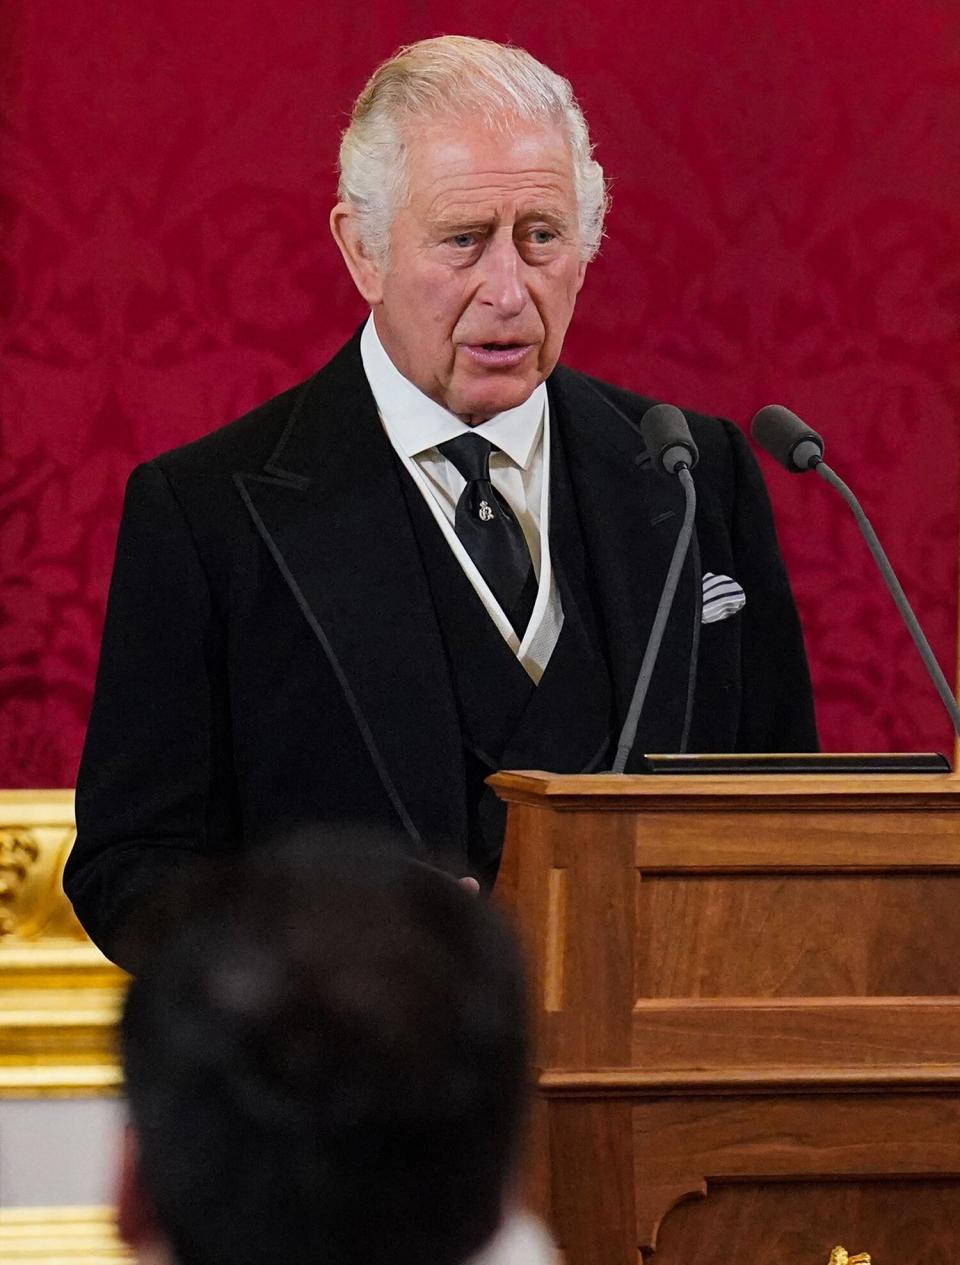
[668,439]
[787,439]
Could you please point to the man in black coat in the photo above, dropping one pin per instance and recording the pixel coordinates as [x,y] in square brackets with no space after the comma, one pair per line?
[439,556]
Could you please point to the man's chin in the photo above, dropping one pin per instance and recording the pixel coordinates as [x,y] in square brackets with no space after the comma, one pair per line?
[493,398]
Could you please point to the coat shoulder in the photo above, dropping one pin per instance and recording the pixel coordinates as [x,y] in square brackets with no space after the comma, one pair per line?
[247,445]
[243,444]
[715,437]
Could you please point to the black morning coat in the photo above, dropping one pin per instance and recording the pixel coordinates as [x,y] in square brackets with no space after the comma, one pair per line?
[278,654]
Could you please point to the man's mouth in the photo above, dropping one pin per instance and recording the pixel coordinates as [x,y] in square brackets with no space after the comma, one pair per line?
[496,355]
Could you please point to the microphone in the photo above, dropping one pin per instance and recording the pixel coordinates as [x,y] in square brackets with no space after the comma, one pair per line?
[788,440]
[668,439]
[673,452]
[798,449]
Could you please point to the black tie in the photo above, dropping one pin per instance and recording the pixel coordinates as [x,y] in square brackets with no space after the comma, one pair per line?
[490,532]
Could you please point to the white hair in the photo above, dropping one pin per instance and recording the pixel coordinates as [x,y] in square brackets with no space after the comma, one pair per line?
[457,76]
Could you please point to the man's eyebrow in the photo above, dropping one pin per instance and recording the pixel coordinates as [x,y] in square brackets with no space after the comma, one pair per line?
[450,226]
[556,219]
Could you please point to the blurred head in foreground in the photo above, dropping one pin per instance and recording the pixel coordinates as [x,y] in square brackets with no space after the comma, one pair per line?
[325,1063]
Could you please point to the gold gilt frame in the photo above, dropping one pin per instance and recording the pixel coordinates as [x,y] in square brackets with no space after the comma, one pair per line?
[59,996]
[60,1236]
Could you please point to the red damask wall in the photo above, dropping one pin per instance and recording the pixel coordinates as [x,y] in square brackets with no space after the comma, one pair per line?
[784,228]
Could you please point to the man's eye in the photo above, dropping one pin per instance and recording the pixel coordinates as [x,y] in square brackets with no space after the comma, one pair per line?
[463,240]
[542,236]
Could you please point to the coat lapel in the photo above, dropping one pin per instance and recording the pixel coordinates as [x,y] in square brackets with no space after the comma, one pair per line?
[630,517]
[330,510]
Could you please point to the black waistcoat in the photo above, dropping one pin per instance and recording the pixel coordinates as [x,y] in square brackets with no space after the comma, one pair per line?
[562,724]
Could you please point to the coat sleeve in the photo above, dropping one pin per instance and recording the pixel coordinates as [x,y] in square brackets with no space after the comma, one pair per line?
[148,797]
[777,712]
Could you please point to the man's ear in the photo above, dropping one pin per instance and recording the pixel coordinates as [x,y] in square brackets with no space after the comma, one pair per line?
[136,1222]
[366,274]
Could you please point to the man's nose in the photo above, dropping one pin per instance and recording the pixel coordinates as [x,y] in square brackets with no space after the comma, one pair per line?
[503,287]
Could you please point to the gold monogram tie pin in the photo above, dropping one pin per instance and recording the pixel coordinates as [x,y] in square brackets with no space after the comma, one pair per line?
[840,1256]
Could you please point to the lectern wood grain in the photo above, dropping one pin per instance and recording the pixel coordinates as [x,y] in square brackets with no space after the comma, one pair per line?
[746,995]
[788,1223]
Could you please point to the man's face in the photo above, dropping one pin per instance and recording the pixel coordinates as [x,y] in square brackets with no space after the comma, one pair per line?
[484,265]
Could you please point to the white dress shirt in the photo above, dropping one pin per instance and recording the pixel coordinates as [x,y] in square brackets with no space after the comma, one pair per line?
[521,1241]
[520,472]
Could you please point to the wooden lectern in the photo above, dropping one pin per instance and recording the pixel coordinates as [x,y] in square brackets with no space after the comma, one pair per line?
[746,999]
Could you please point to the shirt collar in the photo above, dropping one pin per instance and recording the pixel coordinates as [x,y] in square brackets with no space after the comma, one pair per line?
[416,422]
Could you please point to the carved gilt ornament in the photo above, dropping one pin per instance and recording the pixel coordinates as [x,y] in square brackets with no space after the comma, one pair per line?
[59,996]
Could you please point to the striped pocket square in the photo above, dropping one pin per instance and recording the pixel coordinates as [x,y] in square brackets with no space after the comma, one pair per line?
[722,597]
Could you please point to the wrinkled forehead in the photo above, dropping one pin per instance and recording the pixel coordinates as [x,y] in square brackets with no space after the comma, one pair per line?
[465,160]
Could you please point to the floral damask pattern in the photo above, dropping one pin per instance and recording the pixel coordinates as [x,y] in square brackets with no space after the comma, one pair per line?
[784,228]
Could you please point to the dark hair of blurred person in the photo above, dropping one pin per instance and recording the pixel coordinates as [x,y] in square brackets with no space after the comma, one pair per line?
[325,1063]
